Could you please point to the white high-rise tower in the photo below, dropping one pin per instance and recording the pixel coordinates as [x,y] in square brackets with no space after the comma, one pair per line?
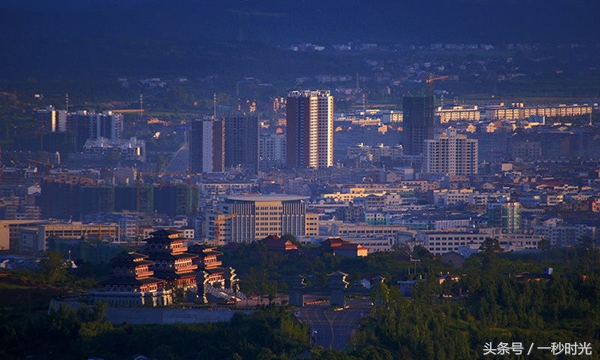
[309,135]
[451,154]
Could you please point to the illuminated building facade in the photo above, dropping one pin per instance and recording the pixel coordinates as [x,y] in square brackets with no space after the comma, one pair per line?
[309,137]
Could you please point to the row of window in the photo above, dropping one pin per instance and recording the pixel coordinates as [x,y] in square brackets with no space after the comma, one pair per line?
[437,249]
[468,238]
[349,232]
[269,208]
[447,244]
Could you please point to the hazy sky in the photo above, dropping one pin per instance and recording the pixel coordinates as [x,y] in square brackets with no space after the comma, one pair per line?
[310,20]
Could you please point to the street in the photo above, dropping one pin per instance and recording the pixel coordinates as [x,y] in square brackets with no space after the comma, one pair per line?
[333,328]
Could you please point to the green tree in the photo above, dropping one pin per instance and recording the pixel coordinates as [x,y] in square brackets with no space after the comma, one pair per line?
[489,248]
[53,267]
[589,254]
[422,253]
[380,294]
[544,244]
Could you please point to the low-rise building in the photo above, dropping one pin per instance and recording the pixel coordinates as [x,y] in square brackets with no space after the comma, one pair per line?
[34,239]
[440,242]
[345,248]
[276,244]
[566,235]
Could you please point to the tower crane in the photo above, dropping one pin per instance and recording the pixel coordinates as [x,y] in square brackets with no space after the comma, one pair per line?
[432,79]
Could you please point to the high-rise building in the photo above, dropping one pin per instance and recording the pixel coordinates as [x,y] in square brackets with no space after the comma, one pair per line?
[451,154]
[106,125]
[272,148]
[418,122]
[176,199]
[89,125]
[51,120]
[241,141]
[309,129]
[207,146]
[80,125]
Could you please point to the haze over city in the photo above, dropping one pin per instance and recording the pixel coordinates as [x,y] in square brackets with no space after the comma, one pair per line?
[312,179]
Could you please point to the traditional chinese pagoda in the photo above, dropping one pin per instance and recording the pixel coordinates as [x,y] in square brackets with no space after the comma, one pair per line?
[133,283]
[167,249]
[212,278]
[208,260]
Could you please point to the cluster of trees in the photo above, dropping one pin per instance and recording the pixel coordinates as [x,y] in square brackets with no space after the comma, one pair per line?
[67,333]
[263,272]
[495,308]
[495,300]
[498,298]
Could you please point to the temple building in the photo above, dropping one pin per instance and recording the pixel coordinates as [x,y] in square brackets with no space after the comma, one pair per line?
[167,249]
[214,281]
[338,246]
[133,283]
[276,244]
[151,280]
[208,260]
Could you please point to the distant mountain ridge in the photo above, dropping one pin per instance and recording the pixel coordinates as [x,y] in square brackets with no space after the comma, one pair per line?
[59,39]
[309,20]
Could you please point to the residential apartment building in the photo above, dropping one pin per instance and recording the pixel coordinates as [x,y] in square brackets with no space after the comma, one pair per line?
[241,141]
[467,196]
[132,149]
[207,146]
[451,154]
[106,125]
[272,148]
[526,150]
[506,215]
[567,235]
[358,230]
[374,153]
[10,233]
[51,119]
[309,137]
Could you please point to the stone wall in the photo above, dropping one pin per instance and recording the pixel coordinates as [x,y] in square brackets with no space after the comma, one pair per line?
[157,315]
[167,316]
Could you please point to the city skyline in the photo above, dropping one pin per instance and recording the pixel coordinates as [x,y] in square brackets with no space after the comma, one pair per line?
[384,175]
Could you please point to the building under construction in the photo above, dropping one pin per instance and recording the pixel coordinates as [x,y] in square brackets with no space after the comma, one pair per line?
[73,198]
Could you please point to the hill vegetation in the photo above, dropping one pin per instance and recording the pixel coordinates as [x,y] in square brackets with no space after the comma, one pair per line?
[495,301]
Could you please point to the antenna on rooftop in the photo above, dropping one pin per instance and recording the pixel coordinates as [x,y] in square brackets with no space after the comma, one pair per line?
[141,104]
[67,102]
[215,106]
[364,101]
